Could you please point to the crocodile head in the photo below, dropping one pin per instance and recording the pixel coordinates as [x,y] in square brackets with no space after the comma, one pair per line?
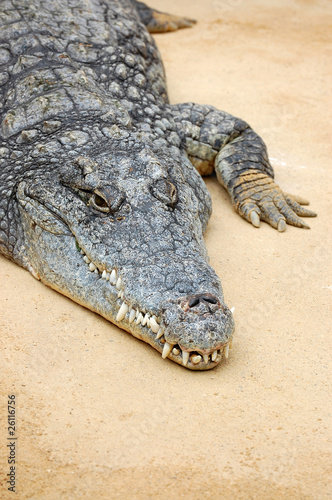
[122,234]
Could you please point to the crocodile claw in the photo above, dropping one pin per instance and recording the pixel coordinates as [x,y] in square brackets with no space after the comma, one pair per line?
[257,197]
[255,220]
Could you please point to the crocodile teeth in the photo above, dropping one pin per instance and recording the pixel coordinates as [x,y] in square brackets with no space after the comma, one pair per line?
[139,318]
[176,351]
[92,267]
[118,285]
[145,319]
[185,357]
[132,315]
[196,359]
[154,325]
[232,310]
[122,312]
[166,350]
[160,333]
[113,277]
[206,358]
[214,355]
[104,275]
[86,259]
[226,351]
[82,252]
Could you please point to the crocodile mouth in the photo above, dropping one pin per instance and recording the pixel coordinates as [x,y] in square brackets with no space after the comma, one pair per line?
[146,326]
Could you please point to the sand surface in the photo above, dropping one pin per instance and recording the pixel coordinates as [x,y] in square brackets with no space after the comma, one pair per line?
[100,414]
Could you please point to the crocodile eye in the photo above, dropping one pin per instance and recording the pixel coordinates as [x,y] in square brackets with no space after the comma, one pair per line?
[165,191]
[107,199]
[99,203]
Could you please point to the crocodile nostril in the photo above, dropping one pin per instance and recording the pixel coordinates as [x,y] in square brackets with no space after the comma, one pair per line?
[209,298]
[193,302]
[204,297]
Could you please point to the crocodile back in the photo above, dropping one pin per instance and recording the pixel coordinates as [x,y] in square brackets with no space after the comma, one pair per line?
[48,48]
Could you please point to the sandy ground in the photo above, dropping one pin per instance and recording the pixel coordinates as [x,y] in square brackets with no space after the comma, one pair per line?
[100,414]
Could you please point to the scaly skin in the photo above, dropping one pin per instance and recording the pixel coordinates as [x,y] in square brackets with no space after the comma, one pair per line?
[98,198]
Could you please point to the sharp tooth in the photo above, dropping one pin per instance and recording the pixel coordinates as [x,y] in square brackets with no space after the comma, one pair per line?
[166,350]
[154,325]
[226,351]
[160,333]
[145,319]
[96,271]
[196,359]
[86,259]
[132,315]
[118,285]
[214,355]
[185,357]
[104,274]
[82,252]
[206,358]
[122,312]
[113,277]
[139,318]
[107,276]
[92,267]
[176,351]
[232,310]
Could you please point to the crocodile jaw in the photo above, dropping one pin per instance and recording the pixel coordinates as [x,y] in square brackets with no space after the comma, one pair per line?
[153,329]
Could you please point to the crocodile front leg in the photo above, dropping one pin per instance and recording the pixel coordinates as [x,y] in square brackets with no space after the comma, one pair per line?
[218,141]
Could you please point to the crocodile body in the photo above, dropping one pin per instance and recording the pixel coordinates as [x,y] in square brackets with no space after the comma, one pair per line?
[101,196]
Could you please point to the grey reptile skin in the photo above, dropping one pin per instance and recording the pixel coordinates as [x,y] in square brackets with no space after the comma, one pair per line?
[101,196]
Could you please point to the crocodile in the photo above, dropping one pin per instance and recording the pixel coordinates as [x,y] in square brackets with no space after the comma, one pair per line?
[101,189]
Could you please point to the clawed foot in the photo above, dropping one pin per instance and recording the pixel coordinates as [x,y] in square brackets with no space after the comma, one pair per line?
[257,197]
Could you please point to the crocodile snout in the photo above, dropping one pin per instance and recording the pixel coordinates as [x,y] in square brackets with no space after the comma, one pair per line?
[201,325]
